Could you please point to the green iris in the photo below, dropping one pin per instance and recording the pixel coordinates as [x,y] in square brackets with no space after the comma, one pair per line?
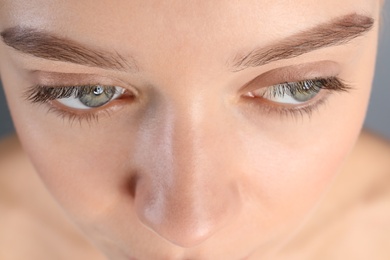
[97,96]
[305,91]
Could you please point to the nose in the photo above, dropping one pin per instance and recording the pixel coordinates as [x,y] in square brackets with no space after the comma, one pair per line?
[186,190]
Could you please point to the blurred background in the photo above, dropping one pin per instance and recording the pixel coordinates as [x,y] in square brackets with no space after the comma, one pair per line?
[378,117]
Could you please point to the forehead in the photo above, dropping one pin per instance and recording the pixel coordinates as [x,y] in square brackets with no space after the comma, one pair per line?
[186,30]
[178,19]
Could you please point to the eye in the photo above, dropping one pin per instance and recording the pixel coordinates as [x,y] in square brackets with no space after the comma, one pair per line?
[91,97]
[294,92]
[80,102]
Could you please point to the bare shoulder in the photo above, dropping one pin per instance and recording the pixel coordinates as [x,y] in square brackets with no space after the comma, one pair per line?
[32,225]
[367,170]
[374,149]
[358,216]
[367,222]
[353,220]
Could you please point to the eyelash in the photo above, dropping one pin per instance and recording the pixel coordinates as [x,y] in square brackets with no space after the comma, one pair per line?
[332,84]
[309,86]
[44,94]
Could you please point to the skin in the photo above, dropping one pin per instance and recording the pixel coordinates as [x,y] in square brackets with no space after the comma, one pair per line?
[190,170]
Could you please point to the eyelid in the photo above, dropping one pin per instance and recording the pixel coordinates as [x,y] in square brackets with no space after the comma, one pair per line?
[60,79]
[331,86]
[293,73]
[283,94]
[43,94]
[77,114]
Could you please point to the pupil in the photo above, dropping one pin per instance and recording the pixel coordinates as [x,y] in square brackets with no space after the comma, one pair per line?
[98,90]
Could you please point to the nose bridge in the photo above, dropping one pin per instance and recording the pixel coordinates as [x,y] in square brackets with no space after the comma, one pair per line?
[193,164]
[190,142]
[183,141]
[189,194]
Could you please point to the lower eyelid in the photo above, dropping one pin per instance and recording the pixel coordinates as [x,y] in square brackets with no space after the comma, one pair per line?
[122,100]
[267,107]
[93,114]
[88,115]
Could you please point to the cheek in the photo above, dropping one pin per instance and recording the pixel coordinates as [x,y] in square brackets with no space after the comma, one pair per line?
[291,163]
[83,166]
[85,172]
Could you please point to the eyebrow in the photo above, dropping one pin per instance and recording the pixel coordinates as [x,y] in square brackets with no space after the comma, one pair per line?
[49,46]
[333,33]
[45,45]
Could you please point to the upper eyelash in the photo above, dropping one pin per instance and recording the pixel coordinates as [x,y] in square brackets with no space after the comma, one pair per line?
[308,86]
[42,94]
[291,88]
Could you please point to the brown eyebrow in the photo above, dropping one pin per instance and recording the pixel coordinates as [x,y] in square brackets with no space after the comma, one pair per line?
[48,46]
[336,32]
[45,45]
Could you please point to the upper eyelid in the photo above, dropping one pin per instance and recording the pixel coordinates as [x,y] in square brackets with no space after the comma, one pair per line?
[330,83]
[322,67]
[293,73]
[69,79]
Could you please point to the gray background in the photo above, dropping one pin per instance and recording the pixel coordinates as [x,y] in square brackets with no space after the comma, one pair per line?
[378,118]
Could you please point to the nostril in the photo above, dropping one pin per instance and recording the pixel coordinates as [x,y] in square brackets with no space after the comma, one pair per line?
[131,185]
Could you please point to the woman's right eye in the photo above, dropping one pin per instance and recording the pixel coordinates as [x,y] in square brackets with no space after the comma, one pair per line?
[78,102]
[76,97]
[91,97]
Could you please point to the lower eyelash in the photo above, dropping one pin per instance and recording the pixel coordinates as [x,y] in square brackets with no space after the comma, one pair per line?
[89,117]
[298,112]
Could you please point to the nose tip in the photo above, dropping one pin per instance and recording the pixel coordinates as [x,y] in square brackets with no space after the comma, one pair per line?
[185,219]
[186,232]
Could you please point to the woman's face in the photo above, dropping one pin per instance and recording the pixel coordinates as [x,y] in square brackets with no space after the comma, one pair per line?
[195,129]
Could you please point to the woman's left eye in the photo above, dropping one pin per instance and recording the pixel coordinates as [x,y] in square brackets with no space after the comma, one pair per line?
[91,97]
[293,93]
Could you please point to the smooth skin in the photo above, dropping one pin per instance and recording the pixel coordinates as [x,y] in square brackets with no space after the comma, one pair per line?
[189,169]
